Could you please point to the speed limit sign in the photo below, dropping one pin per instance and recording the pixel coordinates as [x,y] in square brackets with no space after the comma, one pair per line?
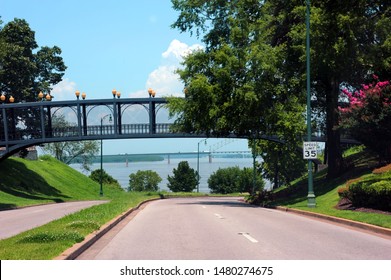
[310,150]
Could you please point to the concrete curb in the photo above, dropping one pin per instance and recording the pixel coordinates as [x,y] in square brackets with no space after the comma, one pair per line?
[360,225]
[78,248]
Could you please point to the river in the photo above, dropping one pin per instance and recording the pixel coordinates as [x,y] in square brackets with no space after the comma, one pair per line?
[121,171]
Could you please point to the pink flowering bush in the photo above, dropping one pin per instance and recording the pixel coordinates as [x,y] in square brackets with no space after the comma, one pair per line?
[368,116]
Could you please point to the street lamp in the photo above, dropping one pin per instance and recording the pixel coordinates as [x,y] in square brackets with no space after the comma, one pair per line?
[198,164]
[43,97]
[116,93]
[311,202]
[3,98]
[101,152]
[151,92]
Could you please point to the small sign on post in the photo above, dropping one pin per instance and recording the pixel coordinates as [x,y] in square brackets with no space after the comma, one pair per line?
[310,150]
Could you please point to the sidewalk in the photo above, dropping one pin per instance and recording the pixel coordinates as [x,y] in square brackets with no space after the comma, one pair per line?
[13,222]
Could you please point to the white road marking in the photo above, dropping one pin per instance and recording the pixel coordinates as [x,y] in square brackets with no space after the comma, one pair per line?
[249,237]
[204,207]
[219,216]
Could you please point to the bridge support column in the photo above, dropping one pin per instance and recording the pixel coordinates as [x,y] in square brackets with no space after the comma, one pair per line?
[119,119]
[78,119]
[210,158]
[168,159]
[5,125]
[50,126]
[84,120]
[152,117]
[42,118]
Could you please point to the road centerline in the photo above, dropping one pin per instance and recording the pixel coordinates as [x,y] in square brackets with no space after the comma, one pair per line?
[219,216]
[249,237]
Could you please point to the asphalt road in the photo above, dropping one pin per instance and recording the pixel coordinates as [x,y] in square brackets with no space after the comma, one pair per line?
[13,222]
[227,229]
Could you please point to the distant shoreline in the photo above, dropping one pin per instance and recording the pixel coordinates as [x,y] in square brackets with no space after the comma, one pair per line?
[159,157]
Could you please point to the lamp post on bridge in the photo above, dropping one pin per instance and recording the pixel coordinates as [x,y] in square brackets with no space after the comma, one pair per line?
[43,97]
[3,98]
[101,152]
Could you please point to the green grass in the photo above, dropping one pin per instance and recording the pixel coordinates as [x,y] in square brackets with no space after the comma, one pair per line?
[361,164]
[25,182]
[47,180]
[50,240]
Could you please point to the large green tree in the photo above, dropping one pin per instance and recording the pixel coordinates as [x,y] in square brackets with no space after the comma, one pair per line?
[350,40]
[251,76]
[242,83]
[144,180]
[26,69]
[184,178]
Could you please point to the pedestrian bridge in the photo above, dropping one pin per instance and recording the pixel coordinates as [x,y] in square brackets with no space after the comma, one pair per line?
[33,123]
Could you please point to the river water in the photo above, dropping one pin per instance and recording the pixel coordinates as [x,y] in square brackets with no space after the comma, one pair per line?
[121,170]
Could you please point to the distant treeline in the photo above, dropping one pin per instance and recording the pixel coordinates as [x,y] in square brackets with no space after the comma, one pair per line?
[123,158]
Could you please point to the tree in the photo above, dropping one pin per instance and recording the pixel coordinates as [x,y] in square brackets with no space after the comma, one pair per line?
[349,39]
[184,178]
[68,151]
[368,116]
[144,180]
[281,163]
[235,85]
[243,82]
[253,68]
[234,179]
[106,178]
[25,72]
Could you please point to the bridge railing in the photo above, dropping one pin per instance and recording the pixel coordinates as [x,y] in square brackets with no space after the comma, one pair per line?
[92,130]
[125,129]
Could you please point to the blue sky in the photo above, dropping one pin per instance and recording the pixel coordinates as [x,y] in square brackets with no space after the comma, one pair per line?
[123,44]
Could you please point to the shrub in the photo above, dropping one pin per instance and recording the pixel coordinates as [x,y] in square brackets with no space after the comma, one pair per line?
[106,178]
[233,179]
[262,197]
[368,116]
[247,181]
[371,194]
[146,180]
[343,192]
[225,180]
[185,179]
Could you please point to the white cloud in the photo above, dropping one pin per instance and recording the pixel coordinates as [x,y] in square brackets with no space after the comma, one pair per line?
[64,90]
[164,80]
[179,50]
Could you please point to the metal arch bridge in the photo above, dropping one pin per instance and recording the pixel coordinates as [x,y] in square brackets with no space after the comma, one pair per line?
[31,123]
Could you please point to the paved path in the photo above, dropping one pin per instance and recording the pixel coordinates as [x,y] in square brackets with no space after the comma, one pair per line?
[225,228]
[13,222]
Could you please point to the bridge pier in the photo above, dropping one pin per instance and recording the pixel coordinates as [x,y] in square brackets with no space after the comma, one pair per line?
[210,158]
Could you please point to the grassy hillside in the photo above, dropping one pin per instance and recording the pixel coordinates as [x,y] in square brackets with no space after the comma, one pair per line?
[25,182]
[360,163]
